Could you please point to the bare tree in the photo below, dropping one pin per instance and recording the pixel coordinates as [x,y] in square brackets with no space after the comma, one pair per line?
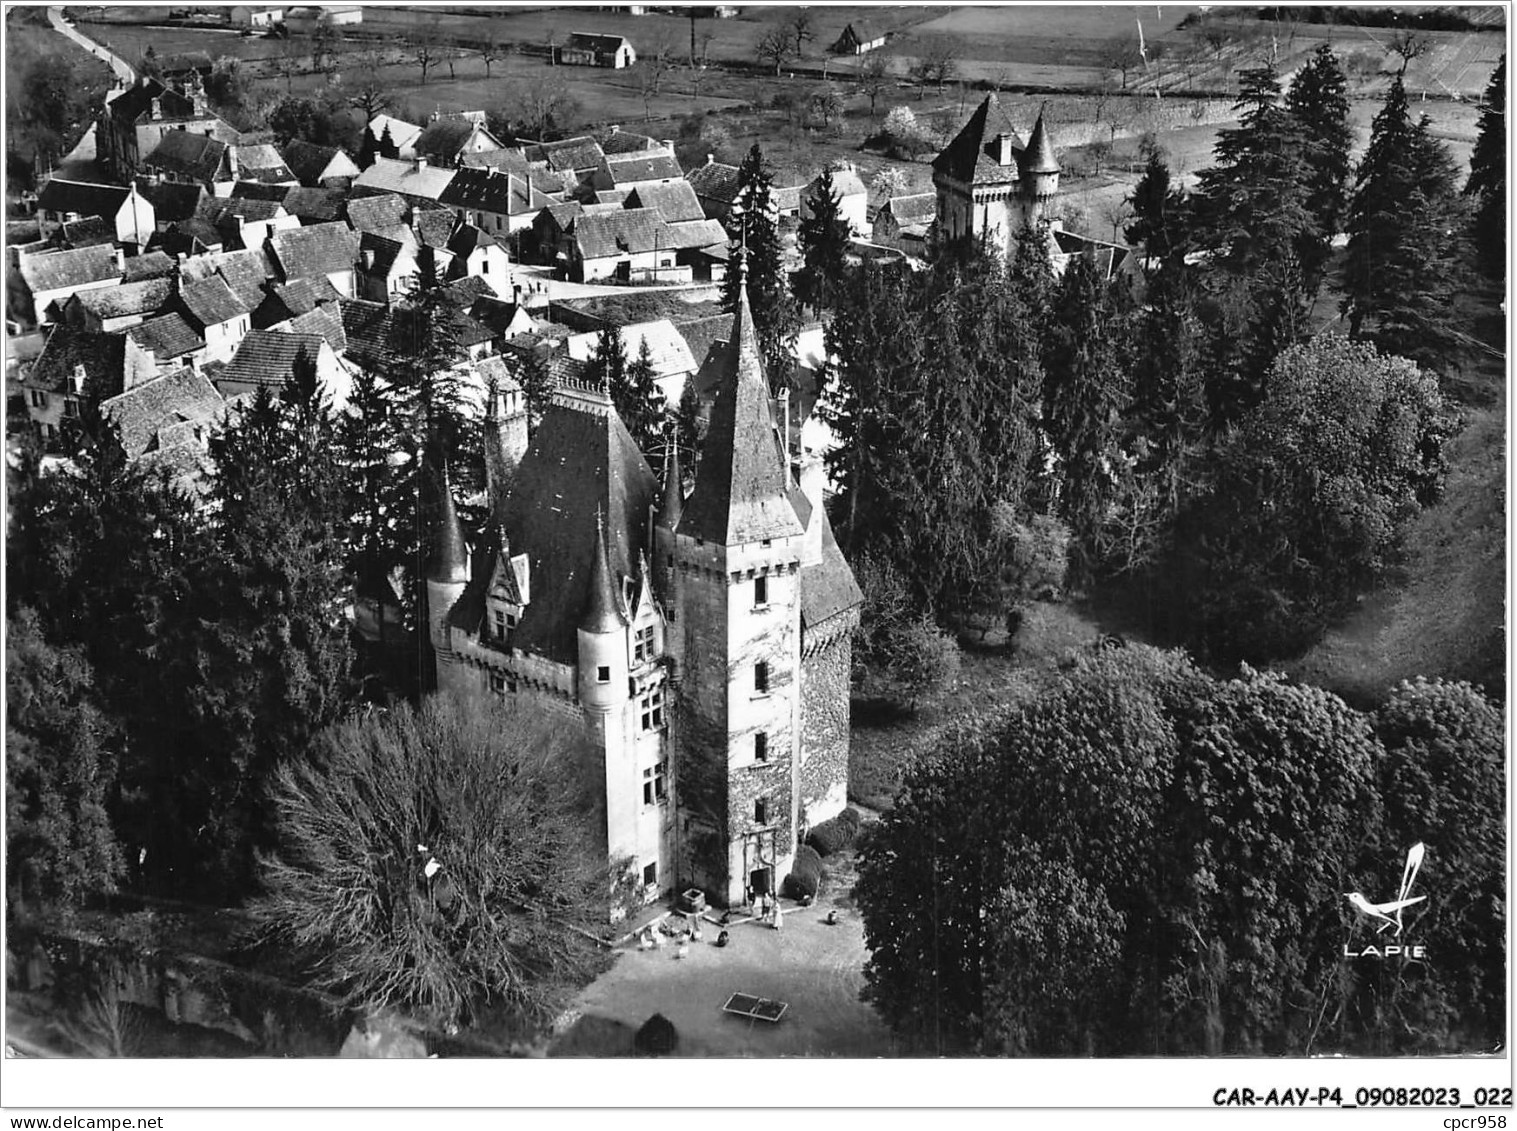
[1122,56]
[802,27]
[1409,45]
[287,63]
[425,51]
[874,78]
[493,52]
[826,105]
[539,103]
[776,47]
[656,61]
[370,93]
[937,63]
[1117,213]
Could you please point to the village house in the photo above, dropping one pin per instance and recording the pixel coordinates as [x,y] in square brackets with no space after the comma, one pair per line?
[243,222]
[53,277]
[169,340]
[283,302]
[319,166]
[673,363]
[165,424]
[589,49]
[135,119]
[174,203]
[318,251]
[852,197]
[386,132]
[216,314]
[129,215]
[734,602]
[623,171]
[475,252]
[251,15]
[262,163]
[415,180]
[675,201]
[387,269]
[267,359]
[858,38]
[316,205]
[76,368]
[574,159]
[497,201]
[620,244]
[385,214]
[188,158]
[902,221]
[104,310]
[446,139]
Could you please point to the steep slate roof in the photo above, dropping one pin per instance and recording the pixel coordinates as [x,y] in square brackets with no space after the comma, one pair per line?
[320,204]
[173,200]
[619,232]
[267,357]
[693,233]
[389,175]
[576,154]
[262,163]
[625,141]
[102,355]
[89,231]
[168,336]
[402,133]
[970,157]
[675,201]
[432,226]
[316,249]
[56,270]
[581,460]
[742,489]
[128,299]
[467,239]
[919,208]
[211,302]
[377,213]
[828,587]
[81,197]
[309,162]
[143,412]
[191,155]
[714,181]
[1038,156]
[149,265]
[630,168]
[486,190]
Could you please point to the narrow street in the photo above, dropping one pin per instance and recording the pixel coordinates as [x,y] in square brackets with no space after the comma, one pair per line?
[123,71]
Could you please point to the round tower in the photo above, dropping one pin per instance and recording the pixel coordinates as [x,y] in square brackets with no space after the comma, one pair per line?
[1039,170]
[602,635]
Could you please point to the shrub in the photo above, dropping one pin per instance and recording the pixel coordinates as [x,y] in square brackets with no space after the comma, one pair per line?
[657,1037]
[805,876]
[833,835]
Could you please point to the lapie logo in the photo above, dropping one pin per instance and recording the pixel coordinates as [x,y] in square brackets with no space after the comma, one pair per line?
[1389,914]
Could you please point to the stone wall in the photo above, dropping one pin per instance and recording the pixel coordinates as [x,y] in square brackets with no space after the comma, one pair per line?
[824,724]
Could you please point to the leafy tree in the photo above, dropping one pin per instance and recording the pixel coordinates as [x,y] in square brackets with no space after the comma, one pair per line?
[1487,183]
[437,859]
[1085,391]
[686,427]
[1318,101]
[776,47]
[874,78]
[937,63]
[753,225]
[824,239]
[639,400]
[899,654]
[537,385]
[1309,495]
[1024,554]
[1402,268]
[60,772]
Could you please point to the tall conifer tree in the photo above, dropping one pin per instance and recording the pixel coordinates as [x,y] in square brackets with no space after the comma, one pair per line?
[1487,183]
[1318,100]
[753,227]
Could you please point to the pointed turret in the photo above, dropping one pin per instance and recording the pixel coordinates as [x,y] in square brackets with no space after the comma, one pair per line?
[742,492]
[672,504]
[602,607]
[448,562]
[1038,156]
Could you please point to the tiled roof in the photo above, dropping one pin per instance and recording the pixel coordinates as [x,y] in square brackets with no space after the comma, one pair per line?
[378,256]
[267,357]
[968,158]
[581,462]
[612,196]
[579,154]
[216,209]
[102,355]
[432,226]
[485,190]
[919,208]
[402,133]
[377,213]
[742,490]
[692,234]
[714,181]
[444,137]
[467,239]
[173,200]
[316,249]
[675,201]
[81,197]
[191,155]
[704,333]
[150,265]
[259,190]
[245,271]
[58,270]
[145,412]
[168,336]
[320,204]
[368,326]
[310,162]
[88,232]
[128,299]
[135,101]
[622,232]
[625,141]
[190,237]
[630,168]
[462,293]
[495,313]
[262,163]
[324,320]
[386,175]
[211,302]
[828,587]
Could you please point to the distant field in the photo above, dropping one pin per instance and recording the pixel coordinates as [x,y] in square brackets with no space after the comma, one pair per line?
[1044,35]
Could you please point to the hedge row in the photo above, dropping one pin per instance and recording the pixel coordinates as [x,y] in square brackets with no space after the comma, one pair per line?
[836,834]
[805,877]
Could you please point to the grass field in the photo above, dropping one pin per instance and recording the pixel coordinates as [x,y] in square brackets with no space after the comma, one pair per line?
[25,41]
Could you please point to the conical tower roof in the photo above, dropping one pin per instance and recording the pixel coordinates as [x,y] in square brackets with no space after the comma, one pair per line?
[742,492]
[973,156]
[1038,156]
[602,607]
[449,560]
[672,504]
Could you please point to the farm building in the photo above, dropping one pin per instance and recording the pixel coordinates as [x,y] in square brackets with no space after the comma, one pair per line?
[587,49]
[902,221]
[500,202]
[250,15]
[448,138]
[53,277]
[858,38]
[129,215]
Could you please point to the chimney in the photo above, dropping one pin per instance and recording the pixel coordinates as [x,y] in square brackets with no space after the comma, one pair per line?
[710,158]
[119,255]
[157,110]
[76,379]
[367,255]
[1004,155]
[615,129]
[421,162]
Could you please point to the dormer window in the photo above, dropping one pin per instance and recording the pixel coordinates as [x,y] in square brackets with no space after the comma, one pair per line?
[77,378]
[642,646]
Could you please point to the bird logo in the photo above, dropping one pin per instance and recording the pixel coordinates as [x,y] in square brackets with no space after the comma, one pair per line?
[1389,913]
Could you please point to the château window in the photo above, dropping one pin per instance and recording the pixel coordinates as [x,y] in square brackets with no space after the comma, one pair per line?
[501,684]
[603,673]
[504,623]
[761,677]
[760,592]
[71,407]
[650,873]
[651,707]
[761,811]
[761,747]
[39,399]
[653,784]
[642,646]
